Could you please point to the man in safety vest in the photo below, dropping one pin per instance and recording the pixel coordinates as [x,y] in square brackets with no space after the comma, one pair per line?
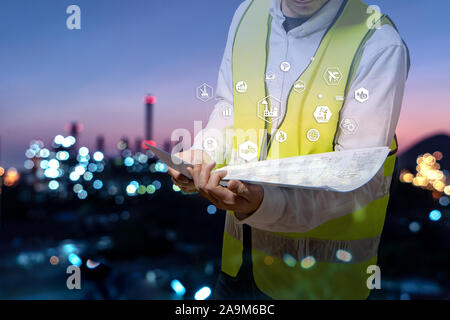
[314,76]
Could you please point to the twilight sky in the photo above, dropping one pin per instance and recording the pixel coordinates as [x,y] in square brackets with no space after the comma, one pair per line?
[98,75]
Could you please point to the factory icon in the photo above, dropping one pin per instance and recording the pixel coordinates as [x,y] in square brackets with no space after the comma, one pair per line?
[269,109]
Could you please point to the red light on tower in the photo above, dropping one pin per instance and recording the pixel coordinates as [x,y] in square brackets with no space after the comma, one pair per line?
[150,142]
[150,99]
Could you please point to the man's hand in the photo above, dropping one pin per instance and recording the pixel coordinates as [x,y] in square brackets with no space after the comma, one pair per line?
[243,198]
[191,156]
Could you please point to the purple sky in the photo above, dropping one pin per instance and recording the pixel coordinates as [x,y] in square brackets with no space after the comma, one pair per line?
[98,76]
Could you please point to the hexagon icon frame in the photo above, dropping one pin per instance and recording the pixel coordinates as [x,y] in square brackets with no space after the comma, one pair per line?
[321,116]
[202,89]
[246,155]
[360,91]
[313,135]
[301,88]
[263,112]
[280,136]
[285,66]
[330,74]
[241,86]
[346,122]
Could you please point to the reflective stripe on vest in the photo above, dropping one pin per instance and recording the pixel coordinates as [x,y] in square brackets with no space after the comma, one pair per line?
[329,261]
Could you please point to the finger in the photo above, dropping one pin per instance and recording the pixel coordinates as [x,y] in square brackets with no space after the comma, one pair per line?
[172,172]
[223,195]
[195,172]
[216,191]
[177,175]
[239,188]
[185,187]
[223,201]
[215,178]
[183,184]
[205,173]
[189,189]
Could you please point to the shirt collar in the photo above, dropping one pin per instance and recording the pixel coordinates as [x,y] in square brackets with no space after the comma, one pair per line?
[319,21]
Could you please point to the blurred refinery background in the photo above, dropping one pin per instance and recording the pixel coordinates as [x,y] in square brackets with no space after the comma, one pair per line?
[121,219]
[135,235]
[104,203]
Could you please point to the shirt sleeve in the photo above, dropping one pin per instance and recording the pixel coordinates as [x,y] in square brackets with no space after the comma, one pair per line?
[221,117]
[382,71]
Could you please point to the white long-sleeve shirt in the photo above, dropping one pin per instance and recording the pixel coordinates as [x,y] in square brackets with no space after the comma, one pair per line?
[382,70]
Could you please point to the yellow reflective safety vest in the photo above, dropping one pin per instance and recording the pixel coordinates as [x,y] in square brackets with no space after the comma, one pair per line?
[331,260]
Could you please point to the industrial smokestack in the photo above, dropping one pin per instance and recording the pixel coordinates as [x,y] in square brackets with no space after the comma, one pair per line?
[149,102]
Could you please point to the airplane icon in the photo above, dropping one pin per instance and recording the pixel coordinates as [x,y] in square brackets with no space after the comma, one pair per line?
[332,76]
